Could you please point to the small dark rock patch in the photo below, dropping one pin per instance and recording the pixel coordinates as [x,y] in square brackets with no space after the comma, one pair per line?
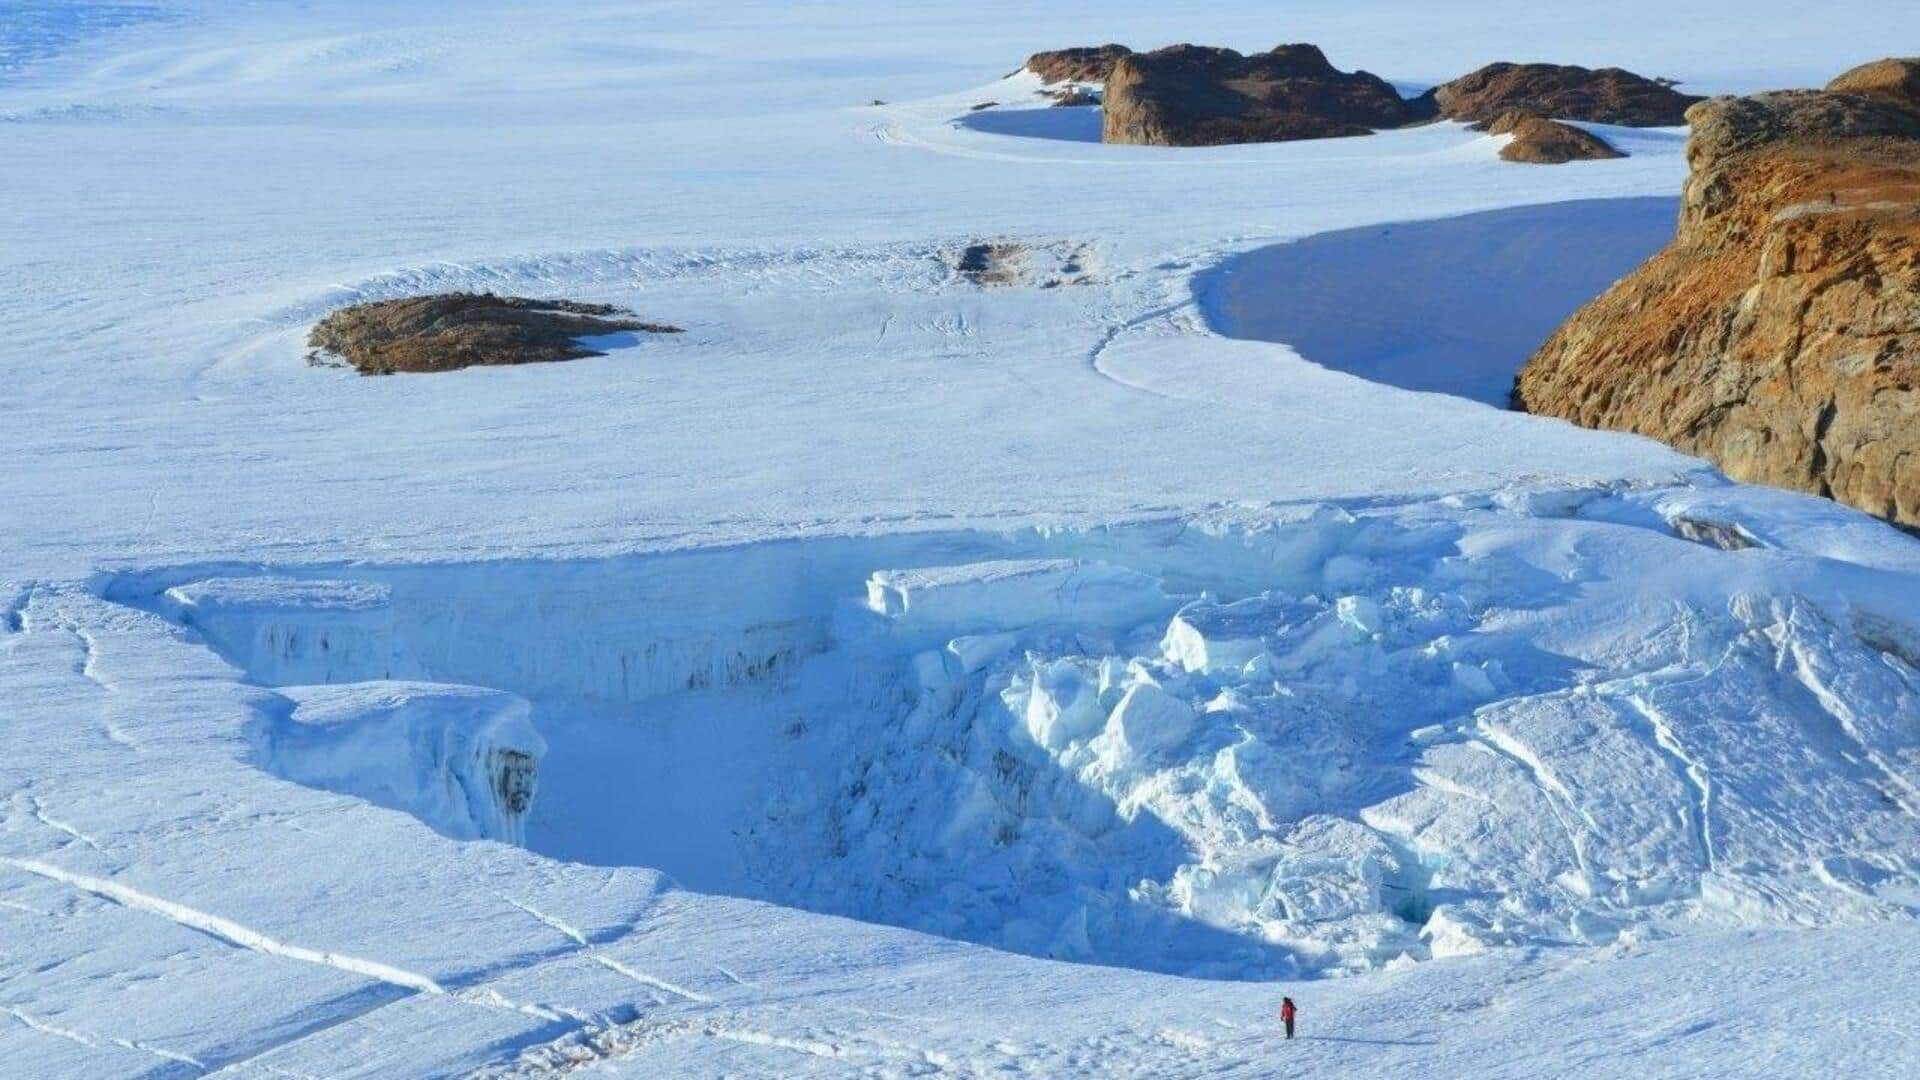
[449,331]
[1045,265]
[991,262]
[1072,96]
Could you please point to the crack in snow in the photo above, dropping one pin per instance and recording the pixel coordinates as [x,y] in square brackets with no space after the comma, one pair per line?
[252,940]
[494,999]
[574,934]
[40,814]
[1503,744]
[93,1040]
[549,921]
[223,928]
[1112,333]
[89,665]
[645,979]
[1700,819]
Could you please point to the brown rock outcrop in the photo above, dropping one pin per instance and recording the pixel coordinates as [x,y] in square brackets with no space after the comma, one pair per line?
[1595,96]
[1779,335]
[1090,63]
[1896,78]
[1539,141]
[455,330]
[1193,95]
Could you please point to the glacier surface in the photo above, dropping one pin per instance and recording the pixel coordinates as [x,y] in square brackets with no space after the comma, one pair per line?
[909,670]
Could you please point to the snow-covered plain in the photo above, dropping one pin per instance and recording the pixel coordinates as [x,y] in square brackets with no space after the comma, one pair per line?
[894,674]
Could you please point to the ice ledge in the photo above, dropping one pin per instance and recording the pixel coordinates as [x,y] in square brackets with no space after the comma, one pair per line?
[942,602]
[464,759]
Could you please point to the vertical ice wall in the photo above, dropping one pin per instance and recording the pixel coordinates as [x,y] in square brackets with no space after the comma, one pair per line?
[464,759]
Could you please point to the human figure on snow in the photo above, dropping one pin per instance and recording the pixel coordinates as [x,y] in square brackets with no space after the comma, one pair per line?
[1286,1014]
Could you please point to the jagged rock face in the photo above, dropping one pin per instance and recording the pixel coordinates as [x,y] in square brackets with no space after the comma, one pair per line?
[1602,96]
[1192,95]
[1779,335]
[1539,141]
[1089,63]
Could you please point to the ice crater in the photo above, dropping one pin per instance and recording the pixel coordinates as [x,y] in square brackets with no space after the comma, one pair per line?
[1251,744]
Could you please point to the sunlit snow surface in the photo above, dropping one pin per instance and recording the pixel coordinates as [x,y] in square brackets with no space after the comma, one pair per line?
[1163,608]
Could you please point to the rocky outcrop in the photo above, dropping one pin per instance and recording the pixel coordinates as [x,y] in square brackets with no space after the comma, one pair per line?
[456,330]
[1779,335]
[1539,141]
[1192,95]
[1896,79]
[1089,63]
[1562,91]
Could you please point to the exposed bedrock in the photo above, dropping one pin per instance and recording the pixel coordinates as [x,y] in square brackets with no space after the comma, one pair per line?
[1562,91]
[1539,141]
[1089,63]
[1779,334]
[456,330]
[1197,95]
[1194,95]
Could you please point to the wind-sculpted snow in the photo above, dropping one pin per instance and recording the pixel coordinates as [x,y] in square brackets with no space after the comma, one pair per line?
[1261,743]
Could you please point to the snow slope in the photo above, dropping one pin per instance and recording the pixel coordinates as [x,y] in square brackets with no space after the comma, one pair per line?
[888,638]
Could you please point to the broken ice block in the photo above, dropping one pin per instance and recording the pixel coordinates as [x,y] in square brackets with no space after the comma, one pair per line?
[936,603]
[1149,720]
[1219,639]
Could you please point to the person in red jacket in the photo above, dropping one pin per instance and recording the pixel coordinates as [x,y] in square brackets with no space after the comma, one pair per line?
[1286,1014]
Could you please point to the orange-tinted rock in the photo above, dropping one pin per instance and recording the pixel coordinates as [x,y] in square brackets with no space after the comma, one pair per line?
[1779,335]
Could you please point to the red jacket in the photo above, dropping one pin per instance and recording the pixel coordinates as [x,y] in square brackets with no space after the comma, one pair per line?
[1286,1010]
